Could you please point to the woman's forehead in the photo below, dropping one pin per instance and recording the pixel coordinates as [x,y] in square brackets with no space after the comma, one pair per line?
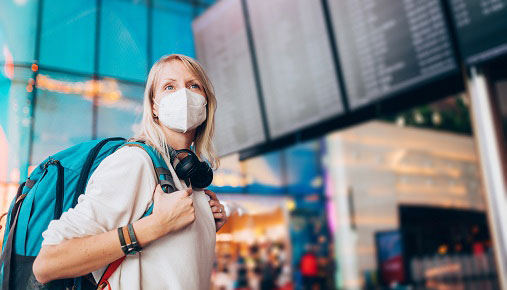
[175,69]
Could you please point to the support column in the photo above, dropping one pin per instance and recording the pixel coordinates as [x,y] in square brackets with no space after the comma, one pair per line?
[486,137]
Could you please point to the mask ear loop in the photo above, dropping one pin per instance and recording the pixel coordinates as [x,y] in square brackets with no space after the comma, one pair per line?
[155,116]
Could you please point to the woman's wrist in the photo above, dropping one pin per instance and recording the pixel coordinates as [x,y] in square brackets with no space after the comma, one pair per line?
[149,229]
[128,240]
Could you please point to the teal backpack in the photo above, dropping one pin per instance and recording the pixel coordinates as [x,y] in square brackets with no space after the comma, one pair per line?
[53,188]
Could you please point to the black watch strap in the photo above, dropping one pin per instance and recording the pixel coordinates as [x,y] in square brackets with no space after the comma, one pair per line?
[124,246]
[135,244]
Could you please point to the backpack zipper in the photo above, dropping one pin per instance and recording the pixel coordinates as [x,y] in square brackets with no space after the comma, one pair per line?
[51,161]
[59,186]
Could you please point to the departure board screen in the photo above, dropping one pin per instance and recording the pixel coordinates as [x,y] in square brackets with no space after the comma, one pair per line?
[296,68]
[388,47]
[481,27]
[222,48]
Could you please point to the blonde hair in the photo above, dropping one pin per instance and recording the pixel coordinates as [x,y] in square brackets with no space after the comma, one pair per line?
[150,129]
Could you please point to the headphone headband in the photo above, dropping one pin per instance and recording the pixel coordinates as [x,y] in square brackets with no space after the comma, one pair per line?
[174,153]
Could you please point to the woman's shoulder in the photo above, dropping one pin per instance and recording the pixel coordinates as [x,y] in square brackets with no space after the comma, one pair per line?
[131,154]
[126,167]
[126,160]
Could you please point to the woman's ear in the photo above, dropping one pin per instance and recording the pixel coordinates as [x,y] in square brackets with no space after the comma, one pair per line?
[154,110]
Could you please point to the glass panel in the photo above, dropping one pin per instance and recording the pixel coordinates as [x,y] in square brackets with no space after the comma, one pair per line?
[304,173]
[172,30]
[123,39]
[68,35]
[207,2]
[63,113]
[201,10]
[15,116]
[18,22]
[265,174]
[229,177]
[120,108]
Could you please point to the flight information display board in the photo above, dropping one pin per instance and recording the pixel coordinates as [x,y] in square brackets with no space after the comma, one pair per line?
[222,48]
[296,68]
[387,47]
[481,27]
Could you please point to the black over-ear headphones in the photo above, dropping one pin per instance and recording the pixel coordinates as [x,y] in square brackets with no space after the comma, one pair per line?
[191,169]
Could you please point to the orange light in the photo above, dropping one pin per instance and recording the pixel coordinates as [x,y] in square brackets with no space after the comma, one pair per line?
[35,67]
[9,64]
[29,88]
[442,250]
[108,90]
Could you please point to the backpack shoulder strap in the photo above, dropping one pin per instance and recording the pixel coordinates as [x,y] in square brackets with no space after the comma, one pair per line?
[5,259]
[164,177]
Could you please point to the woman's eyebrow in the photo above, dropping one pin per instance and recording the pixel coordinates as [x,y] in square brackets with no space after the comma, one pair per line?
[168,80]
[165,82]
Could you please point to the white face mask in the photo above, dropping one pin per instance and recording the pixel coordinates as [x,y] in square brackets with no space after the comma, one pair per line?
[182,110]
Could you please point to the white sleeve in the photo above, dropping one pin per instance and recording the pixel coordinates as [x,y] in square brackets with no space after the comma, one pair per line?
[119,192]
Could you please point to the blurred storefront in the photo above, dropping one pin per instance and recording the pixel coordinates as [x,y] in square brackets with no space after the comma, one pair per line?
[253,248]
[408,207]
[276,204]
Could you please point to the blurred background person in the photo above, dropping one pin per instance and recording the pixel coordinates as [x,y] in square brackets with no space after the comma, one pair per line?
[309,269]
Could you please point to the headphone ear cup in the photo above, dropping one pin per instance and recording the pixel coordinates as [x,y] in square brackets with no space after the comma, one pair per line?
[186,167]
[203,177]
[190,168]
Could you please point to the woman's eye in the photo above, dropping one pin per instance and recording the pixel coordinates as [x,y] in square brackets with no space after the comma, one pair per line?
[169,87]
[194,86]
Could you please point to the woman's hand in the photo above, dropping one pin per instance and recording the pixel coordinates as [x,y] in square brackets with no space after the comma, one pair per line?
[173,211]
[217,209]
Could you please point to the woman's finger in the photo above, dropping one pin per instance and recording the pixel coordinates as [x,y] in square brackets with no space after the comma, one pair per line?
[215,209]
[214,202]
[219,215]
[211,194]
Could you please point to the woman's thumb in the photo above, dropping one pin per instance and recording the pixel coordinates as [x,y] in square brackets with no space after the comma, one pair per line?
[158,192]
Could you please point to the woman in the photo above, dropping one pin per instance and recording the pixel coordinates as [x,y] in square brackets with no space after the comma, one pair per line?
[178,238]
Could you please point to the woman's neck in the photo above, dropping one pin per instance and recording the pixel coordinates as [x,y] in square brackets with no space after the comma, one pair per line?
[179,140]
